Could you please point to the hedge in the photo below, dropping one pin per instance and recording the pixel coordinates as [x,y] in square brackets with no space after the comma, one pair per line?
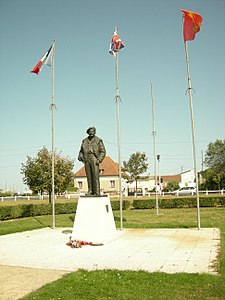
[179,202]
[116,204]
[31,210]
[143,204]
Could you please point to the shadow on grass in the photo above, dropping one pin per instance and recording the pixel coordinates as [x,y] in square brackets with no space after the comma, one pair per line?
[71,218]
[40,222]
[118,219]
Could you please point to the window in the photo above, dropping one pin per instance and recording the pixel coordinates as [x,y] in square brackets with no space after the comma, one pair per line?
[112,183]
[80,184]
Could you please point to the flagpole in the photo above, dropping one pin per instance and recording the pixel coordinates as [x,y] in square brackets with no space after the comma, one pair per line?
[53,154]
[118,141]
[193,133]
[154,151]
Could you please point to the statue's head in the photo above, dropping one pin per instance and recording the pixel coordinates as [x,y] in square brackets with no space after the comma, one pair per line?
[91,130]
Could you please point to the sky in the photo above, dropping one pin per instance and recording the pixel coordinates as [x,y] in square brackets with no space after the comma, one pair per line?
[152,31]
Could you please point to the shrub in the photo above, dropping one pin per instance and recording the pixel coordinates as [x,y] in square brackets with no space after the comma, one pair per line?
[31,210]
[143,204]
[116,204]
[179,202]
[40,209]
[172,186]
[65,208]
[166,203]
[212,201]
[185,202]
[6,212]
[6,194]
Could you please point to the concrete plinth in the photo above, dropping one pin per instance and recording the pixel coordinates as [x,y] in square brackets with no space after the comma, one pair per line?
[94,221]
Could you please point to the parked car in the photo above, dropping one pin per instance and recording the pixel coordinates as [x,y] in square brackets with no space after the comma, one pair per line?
[185,191]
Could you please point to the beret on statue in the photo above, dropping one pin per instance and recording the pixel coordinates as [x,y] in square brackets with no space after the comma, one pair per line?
[90,129]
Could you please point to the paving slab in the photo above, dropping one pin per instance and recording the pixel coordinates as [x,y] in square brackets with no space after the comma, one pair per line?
[152,250]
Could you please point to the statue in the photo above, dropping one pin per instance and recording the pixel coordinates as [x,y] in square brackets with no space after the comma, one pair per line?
[92,153]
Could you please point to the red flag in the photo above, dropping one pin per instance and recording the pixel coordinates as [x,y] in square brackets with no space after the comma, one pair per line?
[46,60]
[116,44]
[192,24]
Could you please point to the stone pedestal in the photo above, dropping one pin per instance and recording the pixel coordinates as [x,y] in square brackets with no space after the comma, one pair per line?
[94,221]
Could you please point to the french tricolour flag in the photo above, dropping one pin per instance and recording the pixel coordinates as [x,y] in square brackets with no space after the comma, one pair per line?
[46,60]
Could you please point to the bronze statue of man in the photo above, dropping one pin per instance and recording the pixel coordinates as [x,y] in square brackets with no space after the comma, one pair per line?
[92,153]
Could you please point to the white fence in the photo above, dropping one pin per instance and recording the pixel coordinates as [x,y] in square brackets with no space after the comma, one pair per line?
[217,192]
[76,195]
[37,197]
[207,192]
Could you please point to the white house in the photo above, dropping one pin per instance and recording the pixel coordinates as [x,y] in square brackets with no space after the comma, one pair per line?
[188,178]
[144,184]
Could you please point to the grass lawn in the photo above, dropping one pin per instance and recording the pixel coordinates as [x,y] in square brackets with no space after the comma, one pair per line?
[115,284]
[146,218]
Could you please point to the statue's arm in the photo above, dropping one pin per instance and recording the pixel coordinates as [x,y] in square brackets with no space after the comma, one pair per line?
[102,151]
[81,153]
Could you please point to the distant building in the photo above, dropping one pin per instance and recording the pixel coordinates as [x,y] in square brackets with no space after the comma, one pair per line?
[144,185]
[109,177]
[109,180]
[165,179]
[188,178]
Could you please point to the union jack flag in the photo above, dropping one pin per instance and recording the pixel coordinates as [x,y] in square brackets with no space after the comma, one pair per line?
[116,44]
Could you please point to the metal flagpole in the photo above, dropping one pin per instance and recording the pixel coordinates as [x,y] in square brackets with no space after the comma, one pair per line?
[118,142]
[53,154]
[193,133]
[154,151]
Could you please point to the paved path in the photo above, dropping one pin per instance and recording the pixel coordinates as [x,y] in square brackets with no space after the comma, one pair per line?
[152,250]
[16,282]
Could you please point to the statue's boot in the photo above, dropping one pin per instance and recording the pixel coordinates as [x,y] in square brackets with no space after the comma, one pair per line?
[89,193]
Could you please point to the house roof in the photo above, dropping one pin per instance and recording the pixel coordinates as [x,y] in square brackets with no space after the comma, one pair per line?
[107,168]
[166,178]
[169,178]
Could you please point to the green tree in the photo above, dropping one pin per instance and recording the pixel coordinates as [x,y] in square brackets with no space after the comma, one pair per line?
[172,186]
[135,166]
[37,172]
[214,176]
